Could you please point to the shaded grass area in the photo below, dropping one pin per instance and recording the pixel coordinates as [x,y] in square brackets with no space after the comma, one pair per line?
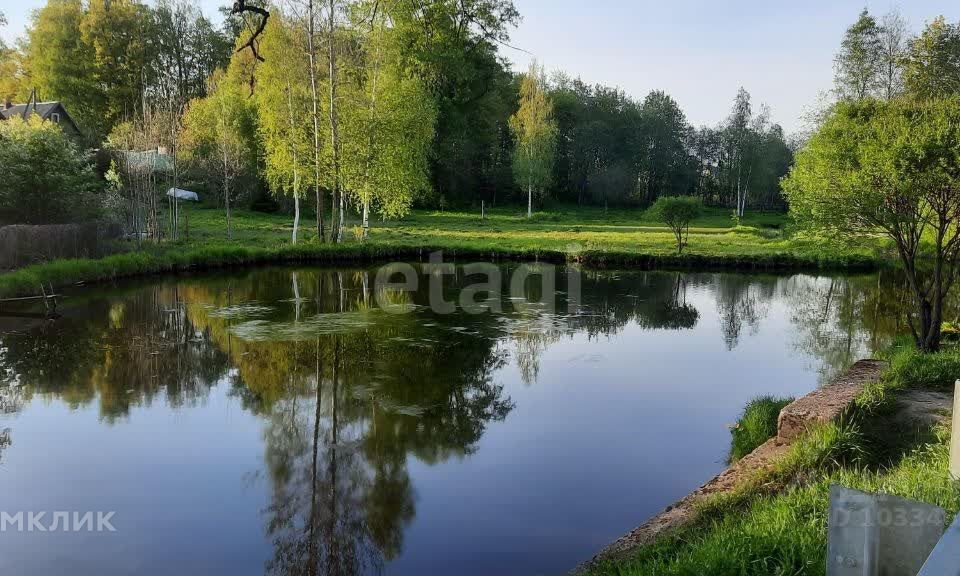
[756,425]
[776,522]
[590,236]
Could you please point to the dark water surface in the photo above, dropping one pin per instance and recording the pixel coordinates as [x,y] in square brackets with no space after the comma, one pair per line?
[275,420]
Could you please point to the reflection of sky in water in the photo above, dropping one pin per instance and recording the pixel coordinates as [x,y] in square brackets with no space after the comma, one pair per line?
[605,419]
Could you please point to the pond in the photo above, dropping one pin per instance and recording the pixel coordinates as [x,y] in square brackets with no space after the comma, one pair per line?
[315,420]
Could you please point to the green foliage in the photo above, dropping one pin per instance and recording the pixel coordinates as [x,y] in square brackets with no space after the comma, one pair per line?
[933,61]
[756,425]
[535,132]
[857,66]
[219,138]
[46,179]
[663,156]
[474,92]
[889,168]
[285,126]
[597,144]
[677,212]
[389,124]
[101,63]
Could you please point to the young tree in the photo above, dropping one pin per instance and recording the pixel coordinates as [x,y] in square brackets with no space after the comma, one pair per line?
[890,168]
[739,138]
[288,141]
[307,13]
[857,66]
[219,137]
[388,123]
[677,212]
[933,63]
[536,134]
[894,42]
[334,10]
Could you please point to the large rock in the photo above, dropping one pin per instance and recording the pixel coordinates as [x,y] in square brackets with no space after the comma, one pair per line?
[827,403]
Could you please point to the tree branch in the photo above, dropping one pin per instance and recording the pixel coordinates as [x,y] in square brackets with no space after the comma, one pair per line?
[241,6]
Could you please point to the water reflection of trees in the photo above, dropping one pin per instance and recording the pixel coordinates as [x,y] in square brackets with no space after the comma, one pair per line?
[742,302]
[349,393]
[119,352]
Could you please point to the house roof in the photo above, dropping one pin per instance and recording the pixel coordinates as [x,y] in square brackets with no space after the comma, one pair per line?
[42,109]
[147,160]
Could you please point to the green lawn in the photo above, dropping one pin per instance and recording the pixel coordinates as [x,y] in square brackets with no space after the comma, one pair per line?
[568,231]
[595,237]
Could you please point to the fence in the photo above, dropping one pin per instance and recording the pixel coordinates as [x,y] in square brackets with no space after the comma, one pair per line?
[21,245]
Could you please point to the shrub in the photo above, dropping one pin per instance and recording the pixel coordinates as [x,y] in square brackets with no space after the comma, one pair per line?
[756,425]
[46,178]
[677,212]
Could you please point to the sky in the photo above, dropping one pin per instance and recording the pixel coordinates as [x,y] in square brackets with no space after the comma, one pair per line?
[698,51]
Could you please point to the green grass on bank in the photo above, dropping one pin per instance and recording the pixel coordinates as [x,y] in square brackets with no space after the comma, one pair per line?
[776,522]
[594,237]
[756,425]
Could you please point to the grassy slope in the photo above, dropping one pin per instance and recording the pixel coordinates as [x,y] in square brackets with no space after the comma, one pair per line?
[777,523]
[592,236]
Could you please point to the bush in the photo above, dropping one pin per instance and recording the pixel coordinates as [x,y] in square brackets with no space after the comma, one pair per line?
[677,212]
[756,425]
[46,178]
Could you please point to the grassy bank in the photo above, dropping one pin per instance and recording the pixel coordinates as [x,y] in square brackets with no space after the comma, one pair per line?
[776,523]
[756,425]
[590,236]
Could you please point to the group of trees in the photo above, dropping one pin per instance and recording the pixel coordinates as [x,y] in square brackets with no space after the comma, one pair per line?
[881,59]
[611,149]
[371,106]
[106,60]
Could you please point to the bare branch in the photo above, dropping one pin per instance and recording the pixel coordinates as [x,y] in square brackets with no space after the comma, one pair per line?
[241,6]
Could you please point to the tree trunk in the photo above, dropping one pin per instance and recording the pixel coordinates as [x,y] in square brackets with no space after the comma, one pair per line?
[529,198]
[928,335]
[366,216]
[312,51]
[296,172]
[226,192]
[296,216]
[335,232]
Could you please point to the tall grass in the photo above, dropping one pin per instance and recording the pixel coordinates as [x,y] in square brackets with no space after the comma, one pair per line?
[756,425]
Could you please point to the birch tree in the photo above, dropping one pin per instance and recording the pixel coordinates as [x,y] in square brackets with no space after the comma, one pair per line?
[894,36]
[535,132]
[738,136]
[388,123]
[284,100]
[334,9]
